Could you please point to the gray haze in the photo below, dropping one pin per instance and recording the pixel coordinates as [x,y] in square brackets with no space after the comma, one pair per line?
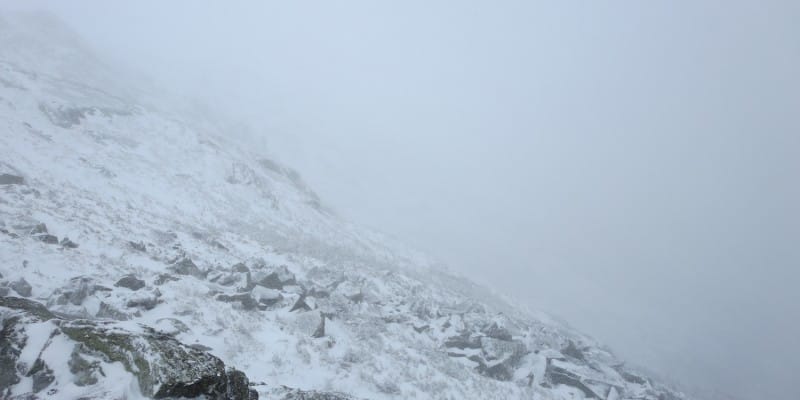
[629,166]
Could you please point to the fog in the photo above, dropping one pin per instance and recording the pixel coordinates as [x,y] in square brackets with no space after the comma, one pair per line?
[631,167]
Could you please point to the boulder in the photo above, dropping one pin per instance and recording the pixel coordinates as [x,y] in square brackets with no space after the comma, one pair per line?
[245,299]
[160,365]
[8,179]
[500,358]
[573,351]
[463,341]
[146,301]
[22,287]
[187,267]
[240,267]
[555,375]
[266,297]
[68,244]
[275,279]
[130,282]
[78,289]
[497,332]
[320,331]
[47,238]
[107,311]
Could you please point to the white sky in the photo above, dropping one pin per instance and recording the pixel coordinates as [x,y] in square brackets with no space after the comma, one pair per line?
[630,166]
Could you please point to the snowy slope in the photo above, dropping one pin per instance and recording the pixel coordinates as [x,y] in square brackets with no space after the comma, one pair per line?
[113,209]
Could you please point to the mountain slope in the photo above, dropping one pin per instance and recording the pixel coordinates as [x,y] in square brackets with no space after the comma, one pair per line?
[116,212]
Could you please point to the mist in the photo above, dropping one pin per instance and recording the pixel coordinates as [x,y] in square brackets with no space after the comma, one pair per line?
[630,167]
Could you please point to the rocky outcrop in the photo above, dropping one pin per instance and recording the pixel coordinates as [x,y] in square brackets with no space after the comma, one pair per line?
[187,267]
[8,179]
[158,364]
[131,282]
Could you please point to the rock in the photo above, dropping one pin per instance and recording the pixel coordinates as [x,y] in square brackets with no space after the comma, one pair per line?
[266,297]
[463,341]
[68,244]
[38,229]
[78,289]
[109,312]
[47,238]
[138,246]
[164,278]
[147,301]
[187,267]
[162,366]
[4,291]
[500,357]
[285,393]
[86,373]
[497,332]
[357,298]
[8,179]
[300,305]
[320,331]
[246,300]
[421,329]
[130,282]
[573,351]
[555,375]
[240,267]
[22,287]
[276,279]
[42,375]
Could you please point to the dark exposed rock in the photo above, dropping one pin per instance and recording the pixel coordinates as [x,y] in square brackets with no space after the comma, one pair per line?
[33,308]
[276,279]
[500,357]
[78,289]
[187,267]
[42,375]
[162,366]
[463,341]
[285,393]
[200,347]
[108,311]
[138,246]
[573,351]
[357,298]
[22,287]
[47,238]
[38,229]
[8,179]
[555,375]
[164,278]
[420,329]
[86,373]
[240,267]
[68,244]
[497,332]
[320,332]
[145,301]
[131,282]
[301,305]
[247,301]
[4,291]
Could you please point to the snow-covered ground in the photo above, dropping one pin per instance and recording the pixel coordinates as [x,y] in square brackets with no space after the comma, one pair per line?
[229,251]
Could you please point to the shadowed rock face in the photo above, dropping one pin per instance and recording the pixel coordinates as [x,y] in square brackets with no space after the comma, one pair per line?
[162,366]
[8,179]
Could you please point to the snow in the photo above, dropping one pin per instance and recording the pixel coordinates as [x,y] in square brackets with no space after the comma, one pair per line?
[124,171]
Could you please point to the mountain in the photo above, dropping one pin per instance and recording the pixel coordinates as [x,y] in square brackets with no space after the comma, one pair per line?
[145,253]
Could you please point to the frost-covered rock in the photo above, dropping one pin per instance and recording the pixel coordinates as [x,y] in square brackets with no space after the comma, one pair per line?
[106,360]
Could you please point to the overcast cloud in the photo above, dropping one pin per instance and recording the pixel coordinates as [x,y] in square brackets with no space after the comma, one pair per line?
[629,166]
